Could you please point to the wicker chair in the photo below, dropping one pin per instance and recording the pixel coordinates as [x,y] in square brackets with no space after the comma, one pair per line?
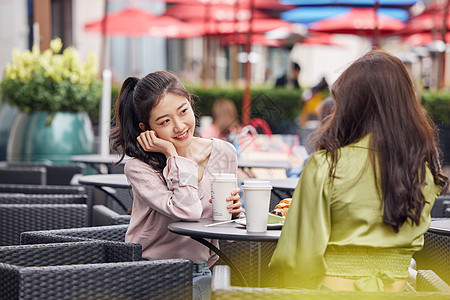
[222,289]
[106,233]
[18,198]
[17,218]
[253,259]
[435,255]
[440,206]
[83,271]
[57,174]
[102,215]
[42,189]
[22,175]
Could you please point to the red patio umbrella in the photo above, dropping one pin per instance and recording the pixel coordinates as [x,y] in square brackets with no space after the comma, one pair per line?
[132,21]
[359,21]
[320,39]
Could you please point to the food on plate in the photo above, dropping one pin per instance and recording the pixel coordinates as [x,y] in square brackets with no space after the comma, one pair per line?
[282,207]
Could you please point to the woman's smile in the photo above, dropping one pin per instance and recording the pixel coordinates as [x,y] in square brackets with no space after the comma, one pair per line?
[183,136]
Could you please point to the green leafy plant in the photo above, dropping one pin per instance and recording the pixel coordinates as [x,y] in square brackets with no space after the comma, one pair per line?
[51,81]
[437,103]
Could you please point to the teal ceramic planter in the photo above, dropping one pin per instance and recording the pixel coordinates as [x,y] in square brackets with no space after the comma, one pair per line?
[7,115]
[32,139]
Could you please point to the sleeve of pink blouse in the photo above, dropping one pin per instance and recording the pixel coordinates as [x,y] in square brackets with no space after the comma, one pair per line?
[177,197]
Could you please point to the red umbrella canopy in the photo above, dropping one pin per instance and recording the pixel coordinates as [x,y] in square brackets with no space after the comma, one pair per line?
[255,39]
[224,19]
[132,21]
[420,39]
[258,26]
[259,4]
[217,12]
[320,39]
[431,19]
[360,21]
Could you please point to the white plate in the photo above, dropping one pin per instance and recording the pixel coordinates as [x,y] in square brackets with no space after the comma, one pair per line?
[269,226]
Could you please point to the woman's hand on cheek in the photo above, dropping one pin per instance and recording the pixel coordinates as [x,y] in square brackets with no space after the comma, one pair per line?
[235,208]
[151,143]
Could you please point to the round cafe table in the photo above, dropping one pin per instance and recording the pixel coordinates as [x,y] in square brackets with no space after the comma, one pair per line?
[228,231]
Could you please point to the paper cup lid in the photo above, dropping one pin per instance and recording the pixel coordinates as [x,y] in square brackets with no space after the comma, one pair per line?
[222,177]
[257,184]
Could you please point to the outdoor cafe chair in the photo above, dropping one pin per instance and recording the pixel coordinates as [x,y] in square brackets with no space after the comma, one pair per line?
[102,215]
[42,189]
[440,206]
[435,255]
[23,175]
[19,198]
[56,173]
[83,270]
[18,218]
[105,233]
[253,259]
[223,290]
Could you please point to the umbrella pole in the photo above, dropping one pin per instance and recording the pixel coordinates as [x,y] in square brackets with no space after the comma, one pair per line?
[376,32]
[103,62]
[444,53]
[246,101]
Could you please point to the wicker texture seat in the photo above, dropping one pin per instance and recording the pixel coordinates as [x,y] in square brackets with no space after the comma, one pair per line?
[42,189]
[102,215]
[253,259]
[56,173]
[18,198]
[223,290]
[106,233]
[435,255]
[83,271]
[23,175]
[18,218]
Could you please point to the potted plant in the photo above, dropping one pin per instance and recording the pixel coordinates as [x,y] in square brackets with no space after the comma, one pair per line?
[53,92]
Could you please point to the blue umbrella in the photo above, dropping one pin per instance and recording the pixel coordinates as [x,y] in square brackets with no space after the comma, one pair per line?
[310,14]
[353,3]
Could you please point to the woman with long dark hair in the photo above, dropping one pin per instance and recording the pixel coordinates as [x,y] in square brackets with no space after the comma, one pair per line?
[170,170]
[363,201]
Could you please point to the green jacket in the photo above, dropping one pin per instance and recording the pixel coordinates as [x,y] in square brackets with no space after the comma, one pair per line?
[336,228]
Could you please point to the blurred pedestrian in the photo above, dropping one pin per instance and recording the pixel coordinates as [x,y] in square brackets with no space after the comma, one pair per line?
[225,120]
[290,81]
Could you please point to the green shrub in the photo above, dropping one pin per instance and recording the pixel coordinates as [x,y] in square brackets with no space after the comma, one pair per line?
[51,81]
[437,103]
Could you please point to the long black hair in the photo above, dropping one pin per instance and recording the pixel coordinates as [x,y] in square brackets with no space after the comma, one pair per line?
[136,99]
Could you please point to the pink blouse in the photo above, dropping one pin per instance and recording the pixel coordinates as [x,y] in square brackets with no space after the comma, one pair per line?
[176,194]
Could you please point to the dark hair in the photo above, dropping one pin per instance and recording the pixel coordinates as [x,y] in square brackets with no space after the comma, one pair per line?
[376,96]
[136,99]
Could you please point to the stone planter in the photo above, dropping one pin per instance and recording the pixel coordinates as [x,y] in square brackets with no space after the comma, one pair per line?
[33,138]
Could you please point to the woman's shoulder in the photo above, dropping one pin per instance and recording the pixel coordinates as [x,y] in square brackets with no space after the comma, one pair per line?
[223,147]
[137,165]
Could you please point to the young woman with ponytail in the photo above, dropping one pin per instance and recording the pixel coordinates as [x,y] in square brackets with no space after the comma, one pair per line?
[363,201]
[170,169]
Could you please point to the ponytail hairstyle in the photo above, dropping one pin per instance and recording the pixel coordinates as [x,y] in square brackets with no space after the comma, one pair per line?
[136,99]
[376,96]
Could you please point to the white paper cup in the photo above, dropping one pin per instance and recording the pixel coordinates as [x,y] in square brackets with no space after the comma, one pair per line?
[257,200]
[221,186]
